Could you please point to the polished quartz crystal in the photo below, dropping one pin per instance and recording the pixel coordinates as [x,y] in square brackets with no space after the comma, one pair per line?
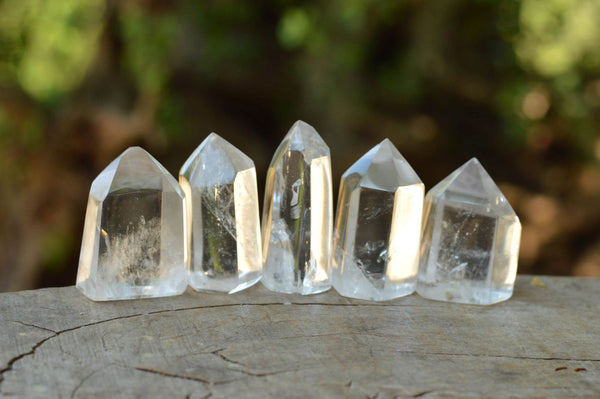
[470,242]
[377,231]
[297,215]
[133,239]
[219,182]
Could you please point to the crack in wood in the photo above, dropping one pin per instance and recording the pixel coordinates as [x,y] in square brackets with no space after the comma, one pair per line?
[243,370]
[31,351]
[207,383]
[15,359]
[173,375]
[33,325]
[420,394]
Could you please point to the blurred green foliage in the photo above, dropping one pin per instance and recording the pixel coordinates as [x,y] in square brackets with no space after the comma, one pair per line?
[294,28]
[559,36]
[47,46]
[445,80]
[149,41]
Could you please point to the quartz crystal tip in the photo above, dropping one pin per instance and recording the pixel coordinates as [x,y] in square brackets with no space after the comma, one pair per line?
[470,241]
[133,243]
[223,228]
[376,240]
[297,214]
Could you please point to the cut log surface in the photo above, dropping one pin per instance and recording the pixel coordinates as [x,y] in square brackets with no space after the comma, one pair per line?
[544,342]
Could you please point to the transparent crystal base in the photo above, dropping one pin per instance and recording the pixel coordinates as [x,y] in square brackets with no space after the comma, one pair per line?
[114,291]
[463,292]
[387,292]
[274,283]
[201,282]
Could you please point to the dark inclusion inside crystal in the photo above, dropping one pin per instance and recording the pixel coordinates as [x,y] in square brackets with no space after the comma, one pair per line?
[218,230]
[466,244]
[295,209]
[374,222]
[130,234]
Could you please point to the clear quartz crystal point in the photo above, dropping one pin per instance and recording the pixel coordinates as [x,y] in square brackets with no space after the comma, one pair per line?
[470,242]
[133,239]
[219,182]
[378,226]
[297,215]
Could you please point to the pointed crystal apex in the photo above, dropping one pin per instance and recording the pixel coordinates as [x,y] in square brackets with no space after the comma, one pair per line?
[133,239]
[471,183]
[135,167]
[383,167]
[215,162]
[470,241]
[297,216]
[302,137]
[222,217]
[376,244]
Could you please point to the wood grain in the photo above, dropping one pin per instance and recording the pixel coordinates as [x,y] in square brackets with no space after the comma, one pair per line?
[544,342]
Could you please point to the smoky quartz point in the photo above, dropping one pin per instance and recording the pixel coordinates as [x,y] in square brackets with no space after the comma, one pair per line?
[297,214]
[470,242]
[376,239]
[133,239]
[223,225]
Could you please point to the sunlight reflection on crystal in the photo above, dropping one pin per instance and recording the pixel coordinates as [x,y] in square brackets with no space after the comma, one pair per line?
[246,215]
[404,256]
[320,217]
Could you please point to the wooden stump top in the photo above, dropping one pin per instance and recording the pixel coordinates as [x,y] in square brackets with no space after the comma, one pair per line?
[544,342]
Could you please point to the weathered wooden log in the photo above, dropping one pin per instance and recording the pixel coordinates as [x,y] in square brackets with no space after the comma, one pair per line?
[544,342]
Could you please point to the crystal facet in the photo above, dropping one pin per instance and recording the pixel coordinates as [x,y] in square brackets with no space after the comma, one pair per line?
[297,216]
[376,244]
[219,182]
[133,239]
[470,242]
